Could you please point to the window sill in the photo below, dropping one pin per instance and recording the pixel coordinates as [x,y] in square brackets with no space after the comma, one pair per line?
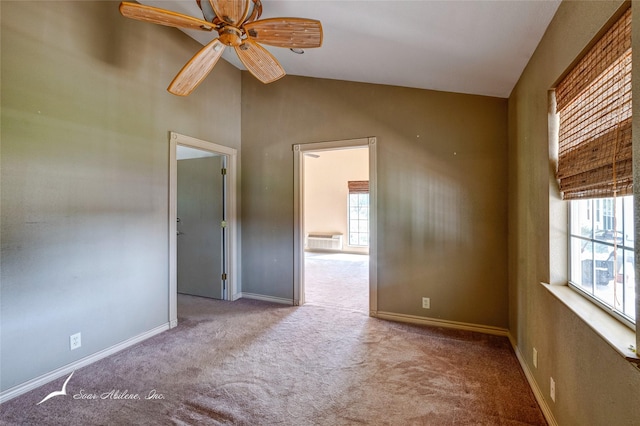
[617,335]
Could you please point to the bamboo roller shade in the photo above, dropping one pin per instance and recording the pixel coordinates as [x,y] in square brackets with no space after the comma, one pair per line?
[594,104]
[358,186]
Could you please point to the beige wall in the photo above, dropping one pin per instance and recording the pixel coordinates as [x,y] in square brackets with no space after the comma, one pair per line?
[442,210]
[326,191]
[594,384]
[85,175]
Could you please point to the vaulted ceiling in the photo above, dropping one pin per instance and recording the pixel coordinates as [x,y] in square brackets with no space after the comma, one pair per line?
[475,46]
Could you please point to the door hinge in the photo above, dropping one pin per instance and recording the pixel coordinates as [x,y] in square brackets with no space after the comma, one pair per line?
[224,277]
[224,171]
[223,224]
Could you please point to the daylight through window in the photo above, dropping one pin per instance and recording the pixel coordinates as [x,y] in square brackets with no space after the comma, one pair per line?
[359,213]
[601,247]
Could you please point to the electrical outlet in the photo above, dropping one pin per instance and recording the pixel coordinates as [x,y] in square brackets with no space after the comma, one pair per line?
[535,357]
[552,389]
[426,303]
[75,341]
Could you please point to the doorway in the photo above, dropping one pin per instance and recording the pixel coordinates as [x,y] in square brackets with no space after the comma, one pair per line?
[334,255]
[202,221]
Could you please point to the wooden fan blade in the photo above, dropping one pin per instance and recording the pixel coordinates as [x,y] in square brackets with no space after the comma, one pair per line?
[259,62]
[198,67]
[256,12]
[286,32]
[232,12]
[162,16]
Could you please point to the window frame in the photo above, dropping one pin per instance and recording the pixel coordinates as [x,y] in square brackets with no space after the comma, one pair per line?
[621,338]
[368,233]
[590,118]
[611,310]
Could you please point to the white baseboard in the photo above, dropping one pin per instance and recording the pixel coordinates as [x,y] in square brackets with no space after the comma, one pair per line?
[264,298]
[546,411]
[63,371]
[414,319]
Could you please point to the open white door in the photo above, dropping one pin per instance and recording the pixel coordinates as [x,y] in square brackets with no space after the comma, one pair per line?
[200,223]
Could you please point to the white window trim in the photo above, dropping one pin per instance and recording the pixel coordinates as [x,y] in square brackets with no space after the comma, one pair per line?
[349,226]
[620,337]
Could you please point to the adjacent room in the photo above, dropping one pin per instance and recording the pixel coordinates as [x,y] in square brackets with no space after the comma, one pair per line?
[491,251]
[336,228]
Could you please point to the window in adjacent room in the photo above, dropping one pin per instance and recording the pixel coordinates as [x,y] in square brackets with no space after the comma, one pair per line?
[358,213]
[593,102]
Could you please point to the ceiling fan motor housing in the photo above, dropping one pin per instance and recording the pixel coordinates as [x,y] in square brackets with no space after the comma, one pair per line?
[230,36]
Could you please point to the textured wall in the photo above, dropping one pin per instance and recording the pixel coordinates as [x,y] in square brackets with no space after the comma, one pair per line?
[442,208]
[594,384]
[85,159]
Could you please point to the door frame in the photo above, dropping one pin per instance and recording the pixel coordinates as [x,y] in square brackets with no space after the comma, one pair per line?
[232,290]
[298,214]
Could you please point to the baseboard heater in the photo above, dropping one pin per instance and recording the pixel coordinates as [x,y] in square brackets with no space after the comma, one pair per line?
[324,241]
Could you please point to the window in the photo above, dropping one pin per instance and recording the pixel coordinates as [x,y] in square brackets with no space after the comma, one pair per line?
[595,170]
[359,213]
[602,259]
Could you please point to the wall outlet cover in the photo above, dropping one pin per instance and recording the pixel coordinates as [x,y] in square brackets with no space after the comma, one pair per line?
[75,341]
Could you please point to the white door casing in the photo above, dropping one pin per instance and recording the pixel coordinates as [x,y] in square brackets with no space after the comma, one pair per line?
[233,289]
[298,229]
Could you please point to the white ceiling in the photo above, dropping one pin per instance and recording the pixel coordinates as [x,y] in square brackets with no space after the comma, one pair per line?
[475,46]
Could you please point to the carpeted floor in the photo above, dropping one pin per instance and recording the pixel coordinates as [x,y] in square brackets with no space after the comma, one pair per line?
[255,363]
[339,280]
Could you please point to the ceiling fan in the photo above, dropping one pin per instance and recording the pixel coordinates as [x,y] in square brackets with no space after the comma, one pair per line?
[237,24]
